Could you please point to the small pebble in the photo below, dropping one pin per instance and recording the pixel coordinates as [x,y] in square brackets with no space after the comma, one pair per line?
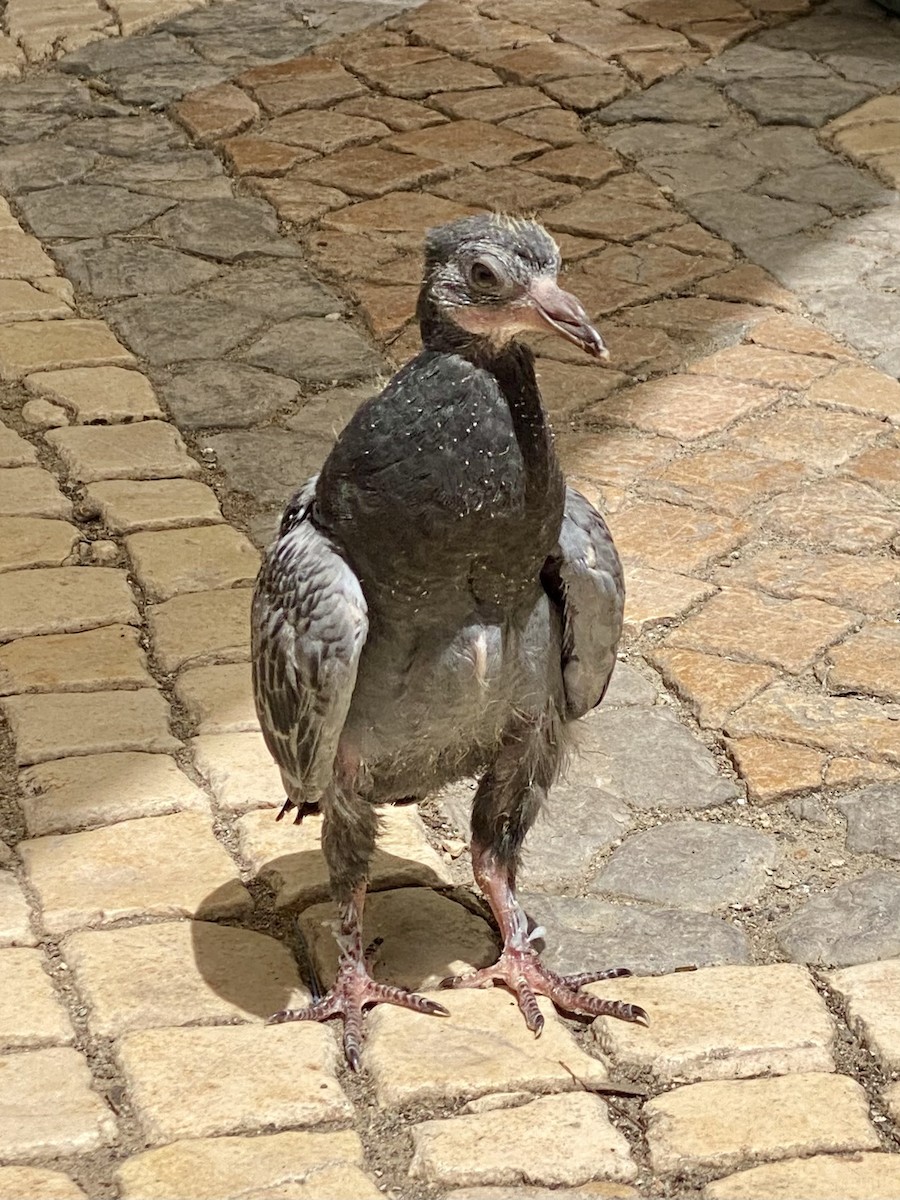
[44,415]
[104,552]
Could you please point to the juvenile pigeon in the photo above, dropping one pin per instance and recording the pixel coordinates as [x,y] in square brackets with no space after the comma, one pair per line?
[438,604]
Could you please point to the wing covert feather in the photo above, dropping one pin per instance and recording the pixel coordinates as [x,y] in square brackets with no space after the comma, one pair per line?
[583,577]
[309,627]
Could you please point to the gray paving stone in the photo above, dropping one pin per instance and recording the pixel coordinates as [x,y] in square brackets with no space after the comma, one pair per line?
[693,172]
[585,933]
[163,83]
[784,148]
[645,757]
[18,127]
[267,464]
[629,687]
[650,139]
[275,289]
[798,101]
[751,60]
[876,64]
[112,269]
[228,230]
[221,19]
[181,174]
[809,262]
[828,32]
[689,864]
[127,137]
[240,48]
[88,210]
[177,328]
[873,820]
[855,922]
[44,164]
[315,351]
[838,186]
[45,92]
[96,58]
[225,395]
[744,219]
[683,99]
[867,319]
[325,414]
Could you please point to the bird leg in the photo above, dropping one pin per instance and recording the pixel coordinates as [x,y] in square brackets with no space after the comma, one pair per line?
[354,988]
[519,965]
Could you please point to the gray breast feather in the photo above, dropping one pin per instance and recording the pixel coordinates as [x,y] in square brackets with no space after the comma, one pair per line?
[309,627]
[583,577]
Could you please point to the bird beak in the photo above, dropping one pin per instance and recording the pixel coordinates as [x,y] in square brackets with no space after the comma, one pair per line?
[565,315]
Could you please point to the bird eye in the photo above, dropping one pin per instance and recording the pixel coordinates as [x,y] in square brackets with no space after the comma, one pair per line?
[483,276]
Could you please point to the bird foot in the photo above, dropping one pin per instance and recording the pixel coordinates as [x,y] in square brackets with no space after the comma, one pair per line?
[522,971]
[353,991]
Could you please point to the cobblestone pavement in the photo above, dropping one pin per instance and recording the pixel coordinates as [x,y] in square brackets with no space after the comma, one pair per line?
[209,256]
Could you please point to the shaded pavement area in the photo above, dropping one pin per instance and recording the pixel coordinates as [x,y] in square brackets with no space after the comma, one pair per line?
[209,255]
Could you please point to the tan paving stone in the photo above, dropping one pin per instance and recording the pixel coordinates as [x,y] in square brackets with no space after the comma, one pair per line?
[503,189]
[401,115]
[239,770]
[325,132]
[721,1125]
[413,72]
[836,724]
[426,937]
[869,993]
[170,562]
[37,1183]
[180,973]
[749,284]
[712,686]
[864,142]
[836,513]
[31,1014]
[219,700]
[21,256]
[625,208]
[797,335]
[773,770]
[90,395]
[125,506]
[856,771]
[675,537]
[650,66]
[49,1107]
[655,597]
[201,628]
[759,364]
[543,61]
[483,1046]
[463,142]
[586,165]
[811,435]
[302,1166]
[490,104]
[31,492]
[41,414]
[314,82]
[614,456]
[867,662]
[15,915]
[252,155]
[33,542]
[587,92]
[570,1140]
[720,1023]
[290,857]
[298,200]
[879,467]
[398,212]
[56,725]
[468,37]
[568,389]
[386,309]
[20,301]
[726,479]
[152,867]
[373,171]
[84,662]
[860,389]
[69,794]
[848,580]
[212,113]
[278,1075]
[686,406]
[63,600]
[46,345]
[751,626]
[14,450]
[861,1176]
[555,126]
[145,450]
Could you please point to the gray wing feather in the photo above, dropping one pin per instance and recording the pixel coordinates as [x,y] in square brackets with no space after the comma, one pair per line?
[309,628]
[583,577]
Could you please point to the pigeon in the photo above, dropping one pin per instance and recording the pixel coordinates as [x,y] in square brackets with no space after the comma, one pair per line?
[437,604]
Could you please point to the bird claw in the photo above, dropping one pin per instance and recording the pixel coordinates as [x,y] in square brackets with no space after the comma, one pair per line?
[355,990]
[522,971]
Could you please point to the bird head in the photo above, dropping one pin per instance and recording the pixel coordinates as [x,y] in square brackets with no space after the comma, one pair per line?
[495,277]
